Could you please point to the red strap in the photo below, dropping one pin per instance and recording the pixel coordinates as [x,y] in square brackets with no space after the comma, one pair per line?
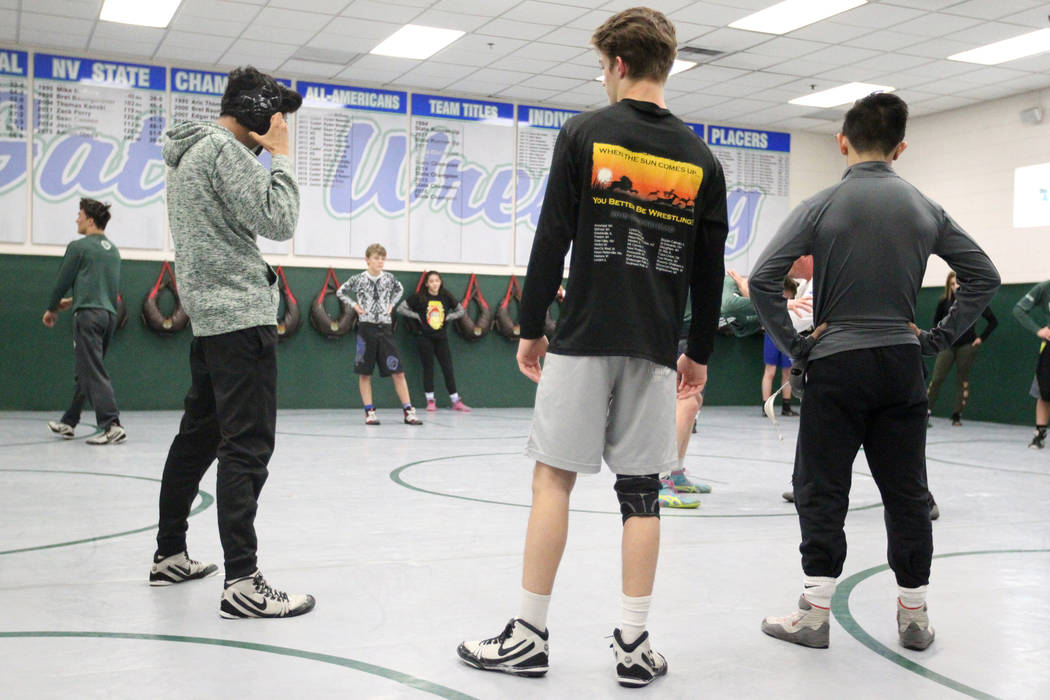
[422,277]
[330,278]
[165,271]
[512,289]
[287,289]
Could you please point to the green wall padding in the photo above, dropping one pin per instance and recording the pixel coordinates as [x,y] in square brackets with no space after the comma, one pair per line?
[150,372]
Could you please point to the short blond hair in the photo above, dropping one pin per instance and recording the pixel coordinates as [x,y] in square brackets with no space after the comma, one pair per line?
[375,249]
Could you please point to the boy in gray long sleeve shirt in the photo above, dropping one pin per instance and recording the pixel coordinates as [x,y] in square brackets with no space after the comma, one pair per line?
[870,237]
[219,198]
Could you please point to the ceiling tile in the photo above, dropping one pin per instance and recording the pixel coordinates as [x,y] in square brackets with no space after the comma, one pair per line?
[467,49]
[310,69]
[842,55]
[726,39]
[877,16]
[516,30]
[85,9]
[381,11]
[291,19]
[936,24]
[450,20]
[983,9]
[549,52]
[551,82]
[543,13]
[829,32]
[63,25]
[328,7]
[885,40]
[788,48]
[746,60]
[51,39]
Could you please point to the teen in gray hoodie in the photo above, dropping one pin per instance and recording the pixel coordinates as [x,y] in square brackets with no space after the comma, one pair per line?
[220,197]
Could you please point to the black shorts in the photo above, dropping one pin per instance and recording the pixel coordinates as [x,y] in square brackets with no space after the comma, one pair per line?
[1042,373]
[375,343]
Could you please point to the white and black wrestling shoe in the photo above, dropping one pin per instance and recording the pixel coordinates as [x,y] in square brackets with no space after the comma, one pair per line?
[177,568]
[251,596]
[520,649]
[637,664]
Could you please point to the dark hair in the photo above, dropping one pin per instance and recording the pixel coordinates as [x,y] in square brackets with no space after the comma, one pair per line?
[96,211]
[643,38]
[876,122]
[421,295]
[253,97]
[790,285]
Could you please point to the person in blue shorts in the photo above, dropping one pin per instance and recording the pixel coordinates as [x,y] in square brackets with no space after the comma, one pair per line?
[774,359]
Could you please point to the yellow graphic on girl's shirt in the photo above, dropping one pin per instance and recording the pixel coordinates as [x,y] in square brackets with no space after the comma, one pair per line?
[435,314]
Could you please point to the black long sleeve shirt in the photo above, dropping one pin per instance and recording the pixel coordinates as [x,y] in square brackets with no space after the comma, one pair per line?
[642,201]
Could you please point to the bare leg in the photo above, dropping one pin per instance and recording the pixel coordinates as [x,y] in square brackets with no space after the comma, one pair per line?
[401,387]
[685,414]
[548,527]
[641,549]
[767,381]
[785,375]
[1042,412]
[364,383]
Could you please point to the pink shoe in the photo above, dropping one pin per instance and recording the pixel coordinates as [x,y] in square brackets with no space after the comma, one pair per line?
[460,406]
[431,406]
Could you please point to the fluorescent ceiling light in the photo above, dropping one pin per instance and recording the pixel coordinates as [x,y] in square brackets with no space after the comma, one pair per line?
[677,67]
[789,15]
[145,13]
[841,95]
[1008,49]
[416,41]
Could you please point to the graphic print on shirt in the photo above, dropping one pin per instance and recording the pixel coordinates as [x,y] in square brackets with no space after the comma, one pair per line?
[435,314]
[654,196]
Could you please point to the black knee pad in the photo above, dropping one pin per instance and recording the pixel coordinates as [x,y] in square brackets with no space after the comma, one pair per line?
[638,495]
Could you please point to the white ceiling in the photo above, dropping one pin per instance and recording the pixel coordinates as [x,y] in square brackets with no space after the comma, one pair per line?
[537,51]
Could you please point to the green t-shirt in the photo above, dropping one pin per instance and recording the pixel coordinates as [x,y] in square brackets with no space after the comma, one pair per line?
[1033,310]
[738,313]
[91,267]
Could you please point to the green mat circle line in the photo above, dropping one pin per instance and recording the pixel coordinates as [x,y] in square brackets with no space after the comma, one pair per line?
[840,608]
[390,674]
[395,476]
[206,500]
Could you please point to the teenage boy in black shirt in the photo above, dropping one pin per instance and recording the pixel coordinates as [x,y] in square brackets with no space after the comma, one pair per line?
[642,202]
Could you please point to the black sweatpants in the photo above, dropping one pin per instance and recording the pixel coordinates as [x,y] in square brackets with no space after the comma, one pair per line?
[431,346]
[230,413]
[92,331]
[873,398]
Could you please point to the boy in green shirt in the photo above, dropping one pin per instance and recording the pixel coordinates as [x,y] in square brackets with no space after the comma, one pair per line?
[91,267]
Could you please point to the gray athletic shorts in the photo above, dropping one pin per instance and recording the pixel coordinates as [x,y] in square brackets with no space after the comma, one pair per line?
[619,408]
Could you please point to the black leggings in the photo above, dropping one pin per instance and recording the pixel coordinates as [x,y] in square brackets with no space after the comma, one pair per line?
[429,347]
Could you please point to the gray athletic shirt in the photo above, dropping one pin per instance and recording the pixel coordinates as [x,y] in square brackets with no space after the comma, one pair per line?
[870,236]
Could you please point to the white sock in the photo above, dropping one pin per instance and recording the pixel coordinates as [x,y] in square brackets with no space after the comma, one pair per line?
[454,396]
[534,609]
[430,395]
[818,590]
[681,464]
[911,598]
[635,614]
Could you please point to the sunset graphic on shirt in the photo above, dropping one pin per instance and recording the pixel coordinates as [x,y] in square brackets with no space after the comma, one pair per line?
[645,178]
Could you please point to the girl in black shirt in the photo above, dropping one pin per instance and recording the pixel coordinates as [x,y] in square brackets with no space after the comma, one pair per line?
[434,306]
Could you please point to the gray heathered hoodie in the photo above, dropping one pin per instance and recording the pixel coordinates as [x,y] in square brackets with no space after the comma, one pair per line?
[220,197]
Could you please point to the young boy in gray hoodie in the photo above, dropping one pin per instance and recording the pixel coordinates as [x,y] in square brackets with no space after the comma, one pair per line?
[220,197]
